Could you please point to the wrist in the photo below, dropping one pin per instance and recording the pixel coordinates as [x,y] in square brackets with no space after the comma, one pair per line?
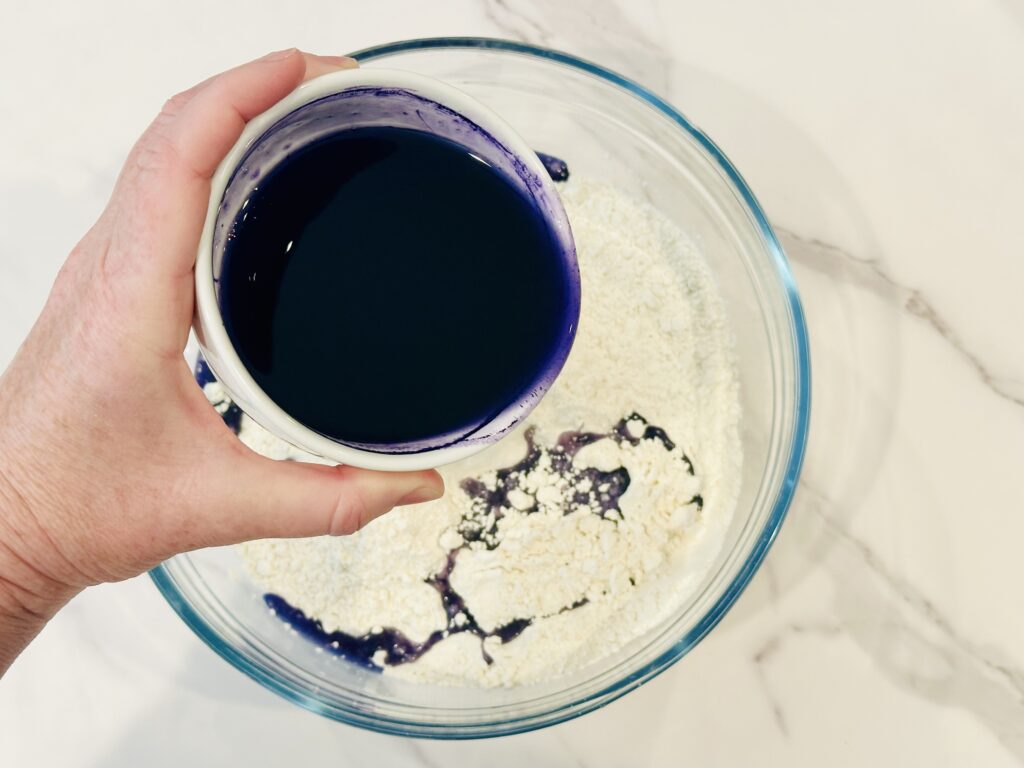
[29,593]
[25,590]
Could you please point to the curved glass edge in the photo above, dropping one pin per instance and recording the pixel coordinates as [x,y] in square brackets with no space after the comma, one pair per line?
[798,445]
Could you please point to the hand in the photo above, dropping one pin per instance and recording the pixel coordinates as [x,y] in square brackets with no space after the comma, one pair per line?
[111,459]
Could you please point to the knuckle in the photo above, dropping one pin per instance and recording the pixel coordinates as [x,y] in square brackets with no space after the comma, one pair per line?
[155,152]
[69,275]
[350,514]
[173,106]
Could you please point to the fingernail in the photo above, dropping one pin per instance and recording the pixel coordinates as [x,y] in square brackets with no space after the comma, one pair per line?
[424,493]
[342,62]
[279,55]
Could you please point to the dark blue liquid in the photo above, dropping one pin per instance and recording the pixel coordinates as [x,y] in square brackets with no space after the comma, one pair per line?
[384,286]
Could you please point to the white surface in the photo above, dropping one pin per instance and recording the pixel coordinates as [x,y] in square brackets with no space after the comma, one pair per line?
[885,141]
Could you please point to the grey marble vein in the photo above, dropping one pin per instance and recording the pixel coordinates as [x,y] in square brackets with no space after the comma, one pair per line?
[597,29]
[977,677]
[514,24]
[760,657]
[420,755]
[872,273]
[763,656]
[571,756]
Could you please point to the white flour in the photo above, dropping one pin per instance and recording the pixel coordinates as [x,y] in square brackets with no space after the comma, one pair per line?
[567,570]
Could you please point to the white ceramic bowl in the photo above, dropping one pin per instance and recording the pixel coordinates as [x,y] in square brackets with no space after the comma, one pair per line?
[349,99]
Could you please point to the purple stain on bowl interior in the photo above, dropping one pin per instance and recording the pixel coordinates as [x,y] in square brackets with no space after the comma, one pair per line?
[202,372]
[556,167]
[229,412]
[369,107]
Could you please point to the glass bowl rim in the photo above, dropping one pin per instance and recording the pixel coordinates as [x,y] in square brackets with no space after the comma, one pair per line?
[798,441]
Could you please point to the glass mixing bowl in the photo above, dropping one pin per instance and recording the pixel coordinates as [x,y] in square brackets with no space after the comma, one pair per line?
[608,128]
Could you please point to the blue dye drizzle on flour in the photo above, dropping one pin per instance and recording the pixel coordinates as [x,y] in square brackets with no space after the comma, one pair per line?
[480,529]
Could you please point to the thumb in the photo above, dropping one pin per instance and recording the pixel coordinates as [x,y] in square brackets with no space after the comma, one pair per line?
[263,498]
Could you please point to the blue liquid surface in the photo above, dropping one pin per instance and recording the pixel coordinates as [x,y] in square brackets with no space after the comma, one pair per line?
[385,287]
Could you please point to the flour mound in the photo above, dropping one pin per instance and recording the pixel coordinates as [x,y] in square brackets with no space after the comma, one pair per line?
[587,527]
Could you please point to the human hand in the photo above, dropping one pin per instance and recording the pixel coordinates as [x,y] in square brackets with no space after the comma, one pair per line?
[111,459]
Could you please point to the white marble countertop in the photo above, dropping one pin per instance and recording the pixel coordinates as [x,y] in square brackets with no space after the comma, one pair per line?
[885,140]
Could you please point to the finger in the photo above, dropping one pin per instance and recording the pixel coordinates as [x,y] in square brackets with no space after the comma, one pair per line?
[263,498]
[166,185]
[316,65]
[160,202]
[322,65]
[211,122]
